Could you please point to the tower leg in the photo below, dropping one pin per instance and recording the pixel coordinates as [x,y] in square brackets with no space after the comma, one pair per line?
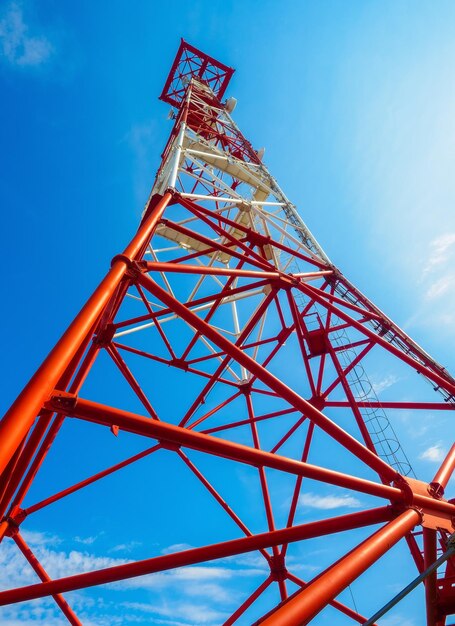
[18,420]
[306,604]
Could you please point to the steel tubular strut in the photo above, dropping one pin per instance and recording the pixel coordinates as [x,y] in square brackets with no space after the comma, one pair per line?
[442,477]
[41,572]
[179,436]
[17,421]
[307,603]
[176,435]
[449,385]
[429,557]
[199,555]
[354,446]
[40,441]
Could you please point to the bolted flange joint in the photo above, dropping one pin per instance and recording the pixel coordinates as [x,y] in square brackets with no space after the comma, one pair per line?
[408,494]
[436,490]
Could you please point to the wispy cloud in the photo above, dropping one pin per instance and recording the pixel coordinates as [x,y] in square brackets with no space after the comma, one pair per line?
[177,597]
[436,310]
[440,286]
[86,541]
[126,547]
[18,46]
[328,502]
[441,250]
[176,547]
[34,538]
[434,454]
[191,612]
[384,383]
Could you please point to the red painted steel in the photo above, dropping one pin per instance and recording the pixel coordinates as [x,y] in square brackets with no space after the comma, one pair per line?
[275,341]
[18,420]
[430,556]
[41,572]
[168,433]
[306,604]
[197,555]
[190,62]
[443,475]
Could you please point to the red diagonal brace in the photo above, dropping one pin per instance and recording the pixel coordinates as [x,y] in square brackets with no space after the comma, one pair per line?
[332,429]
[39,569]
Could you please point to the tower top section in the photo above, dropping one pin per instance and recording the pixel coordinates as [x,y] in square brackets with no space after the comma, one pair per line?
[192,63]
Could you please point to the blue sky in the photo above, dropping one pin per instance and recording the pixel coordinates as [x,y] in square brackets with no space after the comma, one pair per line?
[354,104]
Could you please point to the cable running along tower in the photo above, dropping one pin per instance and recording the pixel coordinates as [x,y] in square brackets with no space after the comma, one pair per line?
[245,352]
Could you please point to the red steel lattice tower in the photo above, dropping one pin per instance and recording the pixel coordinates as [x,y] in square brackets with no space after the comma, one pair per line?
[224,287]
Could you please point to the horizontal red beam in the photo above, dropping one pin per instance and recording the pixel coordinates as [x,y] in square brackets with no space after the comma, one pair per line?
[151,266]
[271,381]
[428,406]
[156,266]
[199,555]
[178,436]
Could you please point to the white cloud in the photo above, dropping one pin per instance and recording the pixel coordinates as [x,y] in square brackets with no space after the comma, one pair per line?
[176,547]
[17,45]
[328,502]
[14,570]
[191,612]
[434,454]
[34,538]
[440,252]
[384,383]
[440,286]
[126,547]
[86,541]
[435,311]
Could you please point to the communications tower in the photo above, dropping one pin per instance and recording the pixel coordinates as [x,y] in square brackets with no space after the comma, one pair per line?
[244,351]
